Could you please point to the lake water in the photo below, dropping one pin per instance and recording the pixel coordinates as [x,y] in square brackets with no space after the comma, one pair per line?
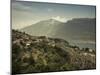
[84,45]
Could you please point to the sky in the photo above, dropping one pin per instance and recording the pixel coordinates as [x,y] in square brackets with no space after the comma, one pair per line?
[28,13]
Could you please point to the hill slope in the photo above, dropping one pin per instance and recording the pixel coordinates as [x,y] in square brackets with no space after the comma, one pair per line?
[33,54]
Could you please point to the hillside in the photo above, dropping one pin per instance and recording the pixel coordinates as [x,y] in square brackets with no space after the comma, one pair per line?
[34,54]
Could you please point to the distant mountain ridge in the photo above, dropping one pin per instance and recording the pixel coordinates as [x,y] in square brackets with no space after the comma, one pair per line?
[80,28]
[83,29]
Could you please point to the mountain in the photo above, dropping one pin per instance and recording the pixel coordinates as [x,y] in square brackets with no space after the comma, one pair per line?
[78,31]
[79,28]
[34,54]
[43,28]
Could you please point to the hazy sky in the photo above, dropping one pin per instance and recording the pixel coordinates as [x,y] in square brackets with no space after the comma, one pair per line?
[27,13]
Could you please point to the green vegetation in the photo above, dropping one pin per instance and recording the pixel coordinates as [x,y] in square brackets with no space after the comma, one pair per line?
[32,54]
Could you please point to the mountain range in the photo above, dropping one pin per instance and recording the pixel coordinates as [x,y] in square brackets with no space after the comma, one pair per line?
[77,30]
